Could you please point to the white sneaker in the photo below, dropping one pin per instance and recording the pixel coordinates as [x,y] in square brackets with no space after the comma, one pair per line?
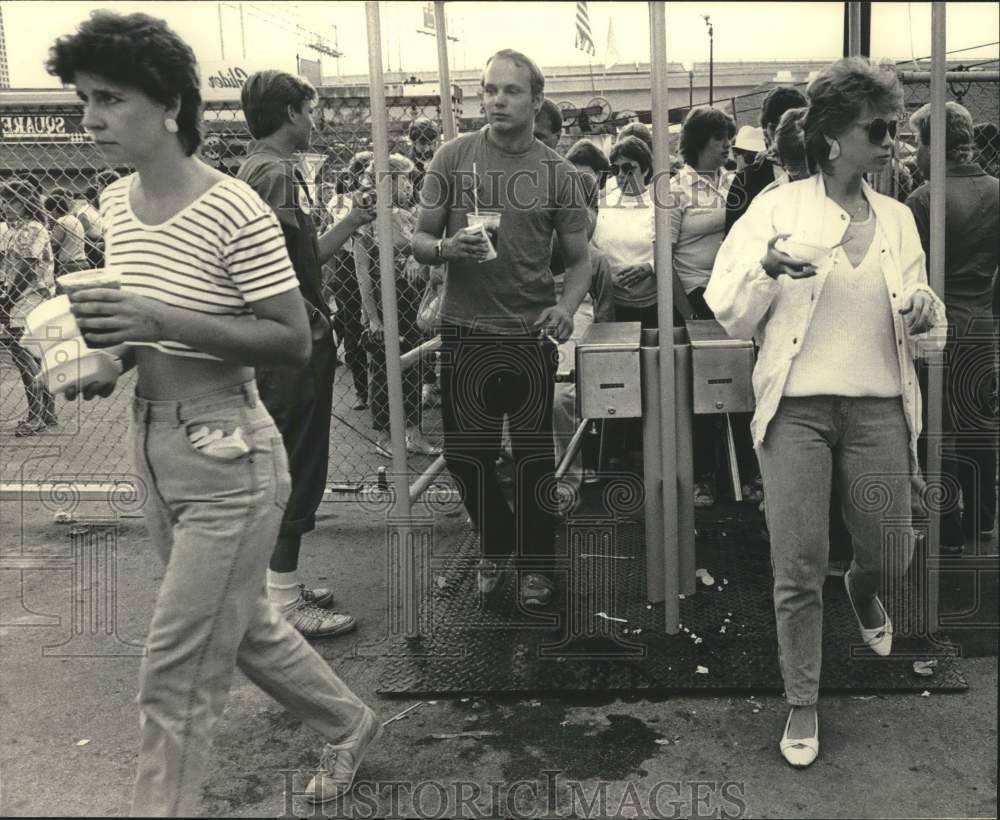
[340,763]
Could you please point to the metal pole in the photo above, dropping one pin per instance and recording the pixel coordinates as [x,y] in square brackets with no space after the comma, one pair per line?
[222,43]
[936,280]
[380,146]
[444,73]
[663,265]
[243,33]
[711,65]
[853,29]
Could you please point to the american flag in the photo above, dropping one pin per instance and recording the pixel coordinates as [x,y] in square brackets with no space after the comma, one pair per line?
[584,39]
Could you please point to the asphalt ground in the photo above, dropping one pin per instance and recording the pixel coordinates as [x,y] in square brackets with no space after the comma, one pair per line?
[69,731]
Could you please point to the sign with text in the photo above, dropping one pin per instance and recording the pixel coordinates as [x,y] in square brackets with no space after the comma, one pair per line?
[41,128]
[223,79]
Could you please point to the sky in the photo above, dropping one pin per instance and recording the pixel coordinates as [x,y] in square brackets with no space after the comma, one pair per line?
[544,30]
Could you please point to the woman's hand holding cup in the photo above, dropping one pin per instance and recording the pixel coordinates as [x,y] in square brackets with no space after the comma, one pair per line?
[776,263]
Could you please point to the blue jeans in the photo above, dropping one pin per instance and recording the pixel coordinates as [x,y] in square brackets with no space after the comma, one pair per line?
[862,444]
[214,522]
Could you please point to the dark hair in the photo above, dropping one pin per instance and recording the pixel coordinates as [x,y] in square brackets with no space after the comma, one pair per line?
[586,153]
[138,51]
[838,95]
[777,101]
[959,136]
[701,125]
[21,190]
[550,111]
[635,149]
[535,77]
[57,203]
[640,130]
[266,96]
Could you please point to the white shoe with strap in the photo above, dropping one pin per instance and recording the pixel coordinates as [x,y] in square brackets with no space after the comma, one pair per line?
[880,638]
[800,752]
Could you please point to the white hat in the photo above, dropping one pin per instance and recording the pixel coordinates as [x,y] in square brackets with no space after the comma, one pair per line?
[749,138]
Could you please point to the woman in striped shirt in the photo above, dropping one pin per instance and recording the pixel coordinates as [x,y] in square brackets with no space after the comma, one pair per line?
[207,293]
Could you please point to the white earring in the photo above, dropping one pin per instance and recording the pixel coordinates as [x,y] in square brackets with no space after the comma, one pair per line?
[834,149]
[171,125]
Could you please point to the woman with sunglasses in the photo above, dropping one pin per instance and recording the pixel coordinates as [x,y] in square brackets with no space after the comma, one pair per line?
[207,293]
[624,232]
[837,395]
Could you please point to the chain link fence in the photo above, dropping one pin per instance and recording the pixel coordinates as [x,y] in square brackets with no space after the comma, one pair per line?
[45,145]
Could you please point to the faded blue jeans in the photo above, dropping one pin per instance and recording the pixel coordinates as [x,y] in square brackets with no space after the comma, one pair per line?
[214,522]
[863,445]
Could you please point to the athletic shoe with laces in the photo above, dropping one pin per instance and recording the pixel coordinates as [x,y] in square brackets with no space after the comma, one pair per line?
[315,622]
[536,590]
[340,763]
[321,596]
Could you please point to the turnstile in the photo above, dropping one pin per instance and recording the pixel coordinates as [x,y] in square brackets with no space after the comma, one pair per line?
[617,376]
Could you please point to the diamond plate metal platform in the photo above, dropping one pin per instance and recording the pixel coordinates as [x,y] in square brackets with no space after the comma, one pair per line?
[472,646]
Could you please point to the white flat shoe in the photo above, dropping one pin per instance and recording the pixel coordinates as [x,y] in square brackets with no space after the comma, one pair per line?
[801,751]
[880,638]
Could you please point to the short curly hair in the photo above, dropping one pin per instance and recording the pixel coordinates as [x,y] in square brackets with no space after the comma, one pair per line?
[701,125]
[959,136]
[138,51]
[588,154]
[635,149]
[789,139]
[839,95]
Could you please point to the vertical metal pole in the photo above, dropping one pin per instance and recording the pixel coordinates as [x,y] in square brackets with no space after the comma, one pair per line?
[663,265]
[936,280]
[380,147]
[243,33]
[690,89]
[444,73]
[853,29]
[711,66]
[222,43]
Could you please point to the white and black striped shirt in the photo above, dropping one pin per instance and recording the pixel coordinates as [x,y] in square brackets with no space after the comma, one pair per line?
[217,255]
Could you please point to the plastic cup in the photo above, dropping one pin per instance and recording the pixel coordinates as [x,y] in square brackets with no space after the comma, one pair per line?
[488,223]
[87,279]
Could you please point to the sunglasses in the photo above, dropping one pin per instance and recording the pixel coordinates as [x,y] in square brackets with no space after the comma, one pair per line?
[878,128]
[623,168]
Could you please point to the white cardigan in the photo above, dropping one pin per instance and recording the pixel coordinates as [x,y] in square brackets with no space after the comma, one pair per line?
[777,312]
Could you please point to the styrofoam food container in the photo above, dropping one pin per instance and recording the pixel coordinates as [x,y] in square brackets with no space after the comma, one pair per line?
[52,323]
[804,251]
[73,364]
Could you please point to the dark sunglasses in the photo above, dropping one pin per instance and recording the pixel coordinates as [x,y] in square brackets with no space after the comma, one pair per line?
[623,168]
[878,128]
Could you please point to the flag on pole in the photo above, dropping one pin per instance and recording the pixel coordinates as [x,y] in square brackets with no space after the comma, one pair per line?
[584,39]
[611,50]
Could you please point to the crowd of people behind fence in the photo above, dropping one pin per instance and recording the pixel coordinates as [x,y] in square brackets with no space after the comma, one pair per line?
[237,294]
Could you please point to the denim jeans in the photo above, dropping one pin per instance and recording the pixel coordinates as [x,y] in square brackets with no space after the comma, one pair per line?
[862,445]
[214,522]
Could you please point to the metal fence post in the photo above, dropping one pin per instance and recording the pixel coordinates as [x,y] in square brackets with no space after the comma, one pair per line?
[400,512]
[936,280]
[444,73]
[664,274]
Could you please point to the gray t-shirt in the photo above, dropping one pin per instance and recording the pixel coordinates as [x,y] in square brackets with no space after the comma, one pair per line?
[536,193]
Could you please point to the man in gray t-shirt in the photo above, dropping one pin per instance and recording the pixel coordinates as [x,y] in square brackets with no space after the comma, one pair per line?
[499,316]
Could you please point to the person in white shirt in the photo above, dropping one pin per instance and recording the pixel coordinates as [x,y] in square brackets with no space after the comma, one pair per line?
[837,394]
[624,232]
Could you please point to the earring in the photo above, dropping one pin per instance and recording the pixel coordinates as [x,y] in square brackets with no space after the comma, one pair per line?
[834,149]
[170,124]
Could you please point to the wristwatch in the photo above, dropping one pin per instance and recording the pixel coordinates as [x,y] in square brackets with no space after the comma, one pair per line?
[439,250]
